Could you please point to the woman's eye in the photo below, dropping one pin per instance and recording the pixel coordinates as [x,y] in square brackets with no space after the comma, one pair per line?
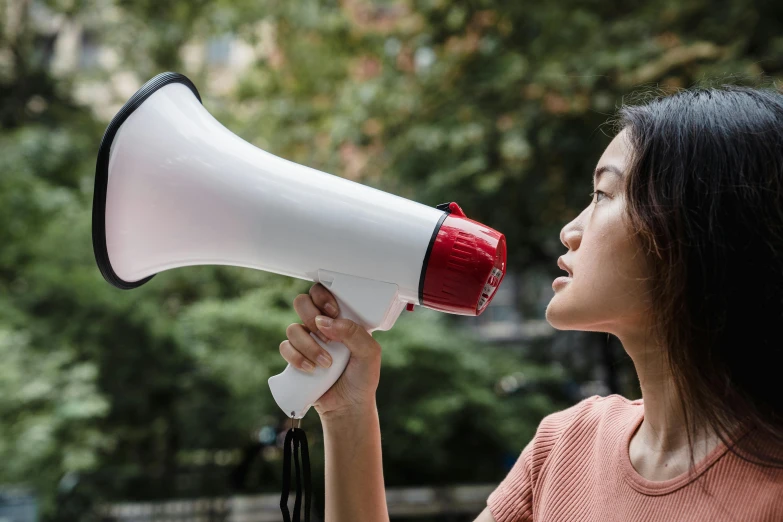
[597,193]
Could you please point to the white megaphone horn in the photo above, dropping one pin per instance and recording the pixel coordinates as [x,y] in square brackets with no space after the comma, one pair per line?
[174,187]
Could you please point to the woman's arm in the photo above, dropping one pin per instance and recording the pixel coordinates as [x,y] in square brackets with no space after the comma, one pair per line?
[354,471]
[352,434]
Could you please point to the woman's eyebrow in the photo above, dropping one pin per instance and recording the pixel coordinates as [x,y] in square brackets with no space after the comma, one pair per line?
[606,168]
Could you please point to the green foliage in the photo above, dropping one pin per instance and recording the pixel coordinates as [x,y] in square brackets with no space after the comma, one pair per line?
[438,404]
[48,405]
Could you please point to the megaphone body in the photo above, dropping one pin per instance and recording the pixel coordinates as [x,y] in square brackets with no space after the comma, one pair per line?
[175,188]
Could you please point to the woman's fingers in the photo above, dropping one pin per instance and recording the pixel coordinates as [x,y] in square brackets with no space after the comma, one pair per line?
[304,306]
[300,341]
[319,301]
[324,300]
[356,338]
[294,358]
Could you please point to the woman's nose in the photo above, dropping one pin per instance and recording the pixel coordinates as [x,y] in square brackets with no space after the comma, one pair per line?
[571,236]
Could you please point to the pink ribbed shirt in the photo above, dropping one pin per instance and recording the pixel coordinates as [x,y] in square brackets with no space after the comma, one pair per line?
[577,469]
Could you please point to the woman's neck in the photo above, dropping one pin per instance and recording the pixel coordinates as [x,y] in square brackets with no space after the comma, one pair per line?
[663,428]
[660,448]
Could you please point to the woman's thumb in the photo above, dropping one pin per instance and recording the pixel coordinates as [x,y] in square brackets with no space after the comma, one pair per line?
[353,336]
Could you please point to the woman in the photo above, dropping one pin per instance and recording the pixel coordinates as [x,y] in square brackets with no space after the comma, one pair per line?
[680,255]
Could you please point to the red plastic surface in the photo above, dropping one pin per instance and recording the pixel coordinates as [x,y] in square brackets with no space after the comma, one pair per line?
[466,265]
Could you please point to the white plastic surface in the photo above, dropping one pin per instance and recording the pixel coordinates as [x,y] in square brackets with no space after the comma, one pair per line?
[372,304]
[184,190]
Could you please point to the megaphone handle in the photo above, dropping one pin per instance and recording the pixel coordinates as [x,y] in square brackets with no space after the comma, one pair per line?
[295,390]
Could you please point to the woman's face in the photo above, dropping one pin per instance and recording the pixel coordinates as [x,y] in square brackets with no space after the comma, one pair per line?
[607,290]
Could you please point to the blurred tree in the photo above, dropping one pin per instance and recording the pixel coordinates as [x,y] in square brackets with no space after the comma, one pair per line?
[48,407]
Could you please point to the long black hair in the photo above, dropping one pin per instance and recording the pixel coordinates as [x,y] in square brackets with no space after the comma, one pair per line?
[705,202]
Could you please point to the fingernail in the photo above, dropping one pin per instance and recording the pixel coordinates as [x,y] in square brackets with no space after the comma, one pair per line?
[330,309]
[308,366]
[322,321]
[322,337]
[323,360]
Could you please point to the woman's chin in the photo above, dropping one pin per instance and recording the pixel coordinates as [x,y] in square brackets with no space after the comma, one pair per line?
[562,315]
[554,315]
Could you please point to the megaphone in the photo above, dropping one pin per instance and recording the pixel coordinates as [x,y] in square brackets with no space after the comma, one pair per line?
[175,188]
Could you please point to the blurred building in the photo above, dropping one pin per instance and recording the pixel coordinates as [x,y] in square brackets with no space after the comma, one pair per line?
[17,505]
[71,47]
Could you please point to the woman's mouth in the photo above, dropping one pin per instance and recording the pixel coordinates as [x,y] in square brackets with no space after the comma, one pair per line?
[562,281]
[562,264]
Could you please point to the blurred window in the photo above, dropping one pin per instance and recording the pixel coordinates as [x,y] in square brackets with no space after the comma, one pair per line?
[88,57]
[219,50]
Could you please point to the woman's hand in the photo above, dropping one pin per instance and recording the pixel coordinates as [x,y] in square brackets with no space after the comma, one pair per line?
[354,391]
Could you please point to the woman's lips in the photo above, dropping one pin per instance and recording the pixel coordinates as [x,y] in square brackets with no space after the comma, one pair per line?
[560,281]
[562,264]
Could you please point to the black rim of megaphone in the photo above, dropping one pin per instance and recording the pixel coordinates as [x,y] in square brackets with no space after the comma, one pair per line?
[102,173]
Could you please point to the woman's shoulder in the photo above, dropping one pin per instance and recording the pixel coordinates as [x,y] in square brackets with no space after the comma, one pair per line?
[595,418]
[594,411]
[565,433]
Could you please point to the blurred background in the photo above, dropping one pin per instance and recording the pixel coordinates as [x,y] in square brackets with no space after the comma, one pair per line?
[152,404]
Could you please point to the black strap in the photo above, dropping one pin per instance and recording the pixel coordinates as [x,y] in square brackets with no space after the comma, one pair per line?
[298,499]
[286,475]
[296,441]
[306,469]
